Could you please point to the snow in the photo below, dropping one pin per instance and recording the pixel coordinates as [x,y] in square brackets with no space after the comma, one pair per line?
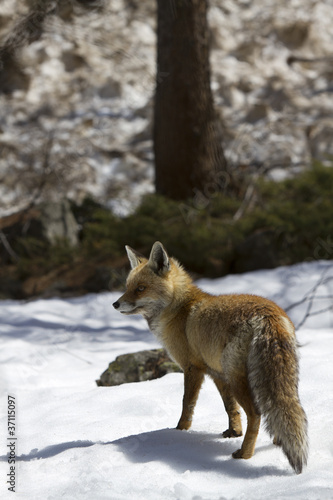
[79,441]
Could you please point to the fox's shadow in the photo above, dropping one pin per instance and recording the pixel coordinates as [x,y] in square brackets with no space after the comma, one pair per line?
[195,451]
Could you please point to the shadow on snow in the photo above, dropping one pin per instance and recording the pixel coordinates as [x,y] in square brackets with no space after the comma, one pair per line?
[50,451]
[195,451]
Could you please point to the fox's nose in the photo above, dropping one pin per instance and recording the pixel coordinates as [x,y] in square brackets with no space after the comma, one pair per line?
[116,305]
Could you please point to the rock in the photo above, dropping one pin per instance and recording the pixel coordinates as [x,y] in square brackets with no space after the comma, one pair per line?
[275,96]
[12,76]
[110,89]
[138,367]
[256,113]
[65,10]
[293,34]
[72,61]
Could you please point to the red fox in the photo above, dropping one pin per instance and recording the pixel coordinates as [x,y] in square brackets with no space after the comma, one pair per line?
[246,343]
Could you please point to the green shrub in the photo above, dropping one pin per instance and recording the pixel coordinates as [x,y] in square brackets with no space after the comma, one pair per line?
[300,210]
[202,233]
[203,236]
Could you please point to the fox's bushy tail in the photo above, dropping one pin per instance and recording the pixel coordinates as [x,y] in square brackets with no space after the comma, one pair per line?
[273,378]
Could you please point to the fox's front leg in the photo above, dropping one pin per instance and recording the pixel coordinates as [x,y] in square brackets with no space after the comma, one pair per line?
[193,378]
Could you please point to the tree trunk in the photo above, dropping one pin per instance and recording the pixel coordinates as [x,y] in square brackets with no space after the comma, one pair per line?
[187,144]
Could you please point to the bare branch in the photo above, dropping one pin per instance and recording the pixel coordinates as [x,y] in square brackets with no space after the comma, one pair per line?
[310,297]
[307,297]
[250,192]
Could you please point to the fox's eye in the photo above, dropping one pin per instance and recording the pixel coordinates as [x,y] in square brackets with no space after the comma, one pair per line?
[140,288]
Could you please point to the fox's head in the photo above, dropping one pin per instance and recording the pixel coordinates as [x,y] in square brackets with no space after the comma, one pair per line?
[149,286]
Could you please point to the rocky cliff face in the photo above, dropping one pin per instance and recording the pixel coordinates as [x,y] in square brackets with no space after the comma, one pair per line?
[76,98]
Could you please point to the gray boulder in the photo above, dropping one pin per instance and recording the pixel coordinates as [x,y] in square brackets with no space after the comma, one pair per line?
[138,367]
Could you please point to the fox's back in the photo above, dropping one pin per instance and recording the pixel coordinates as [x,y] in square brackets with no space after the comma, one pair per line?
[222,327]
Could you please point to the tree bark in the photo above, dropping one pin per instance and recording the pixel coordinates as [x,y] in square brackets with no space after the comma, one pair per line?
[187,141]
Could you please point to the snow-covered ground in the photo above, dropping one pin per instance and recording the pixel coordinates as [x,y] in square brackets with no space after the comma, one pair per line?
[76,440]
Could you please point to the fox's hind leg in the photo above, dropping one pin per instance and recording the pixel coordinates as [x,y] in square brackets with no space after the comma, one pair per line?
[232,409]
[253,422]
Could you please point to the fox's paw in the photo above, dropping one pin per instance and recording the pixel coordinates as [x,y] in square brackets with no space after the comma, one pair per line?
[241,454]
[231,433]
[277,441]
[184,426]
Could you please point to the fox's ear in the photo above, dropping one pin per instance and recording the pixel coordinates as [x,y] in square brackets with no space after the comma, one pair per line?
[159,260]
[134,257]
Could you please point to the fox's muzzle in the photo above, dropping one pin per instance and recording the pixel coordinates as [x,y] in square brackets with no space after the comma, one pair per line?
[125,307]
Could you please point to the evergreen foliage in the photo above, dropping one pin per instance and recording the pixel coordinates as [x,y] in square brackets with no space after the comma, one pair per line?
[294,216]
